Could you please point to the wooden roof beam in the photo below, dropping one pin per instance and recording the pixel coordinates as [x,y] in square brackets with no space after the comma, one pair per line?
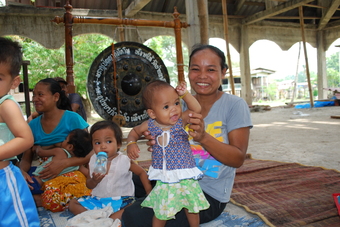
[329,13]
[135,7]
[275,11]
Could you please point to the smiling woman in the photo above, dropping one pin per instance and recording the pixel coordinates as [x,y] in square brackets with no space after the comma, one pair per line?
[219,139]
[49,130]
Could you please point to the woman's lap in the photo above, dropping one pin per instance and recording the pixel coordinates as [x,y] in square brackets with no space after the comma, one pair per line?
[137,216]
[60,190]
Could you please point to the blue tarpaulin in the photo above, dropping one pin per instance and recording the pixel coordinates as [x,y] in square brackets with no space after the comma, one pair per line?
[316,104]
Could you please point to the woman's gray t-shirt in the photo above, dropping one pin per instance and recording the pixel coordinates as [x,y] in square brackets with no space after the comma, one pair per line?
[228,113]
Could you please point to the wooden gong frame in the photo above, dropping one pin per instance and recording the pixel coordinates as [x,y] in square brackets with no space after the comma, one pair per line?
[69,20]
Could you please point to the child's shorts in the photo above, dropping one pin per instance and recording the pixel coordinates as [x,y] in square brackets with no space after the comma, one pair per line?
[17,204]
[95,203]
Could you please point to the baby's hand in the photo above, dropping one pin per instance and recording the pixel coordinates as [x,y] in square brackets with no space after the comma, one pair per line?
[97,177]
[133,151]
[181,88]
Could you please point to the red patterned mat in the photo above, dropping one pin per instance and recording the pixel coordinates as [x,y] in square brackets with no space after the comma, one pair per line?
[287,194]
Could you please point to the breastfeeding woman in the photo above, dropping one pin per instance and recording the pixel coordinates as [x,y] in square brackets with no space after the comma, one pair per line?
[49,130]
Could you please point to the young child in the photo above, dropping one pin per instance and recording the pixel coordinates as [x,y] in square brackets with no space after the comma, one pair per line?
[77,144]
[116,187]
[173,165]
[17,204]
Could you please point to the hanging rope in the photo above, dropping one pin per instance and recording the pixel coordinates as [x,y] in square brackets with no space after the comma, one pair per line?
[118,119]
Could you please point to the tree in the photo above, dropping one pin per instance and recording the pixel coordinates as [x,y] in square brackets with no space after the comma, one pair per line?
[333,74]
[165,47]
[51,62]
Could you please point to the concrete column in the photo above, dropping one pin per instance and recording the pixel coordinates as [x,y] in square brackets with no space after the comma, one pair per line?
[193,31]
[246,92]
[322,68]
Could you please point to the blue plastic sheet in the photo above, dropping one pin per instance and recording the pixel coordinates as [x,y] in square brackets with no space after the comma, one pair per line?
[316,104]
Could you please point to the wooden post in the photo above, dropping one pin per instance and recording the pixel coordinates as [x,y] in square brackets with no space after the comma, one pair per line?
[178,39]
[226,37]
[204,20]
[26,88]
[306,57]
[120,15]
[68,20]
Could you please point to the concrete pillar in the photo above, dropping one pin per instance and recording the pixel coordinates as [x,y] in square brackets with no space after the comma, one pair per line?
[322,68]
[246,92]
[193,30]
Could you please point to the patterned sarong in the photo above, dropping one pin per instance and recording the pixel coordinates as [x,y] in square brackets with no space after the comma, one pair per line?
[59,191]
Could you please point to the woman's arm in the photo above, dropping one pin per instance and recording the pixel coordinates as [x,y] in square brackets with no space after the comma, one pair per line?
[53,168]
[232,154]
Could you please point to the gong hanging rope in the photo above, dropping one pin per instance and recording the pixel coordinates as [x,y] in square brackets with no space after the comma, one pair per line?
[118,119]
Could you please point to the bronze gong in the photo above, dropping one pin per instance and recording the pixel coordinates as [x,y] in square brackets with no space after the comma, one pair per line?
[136,66]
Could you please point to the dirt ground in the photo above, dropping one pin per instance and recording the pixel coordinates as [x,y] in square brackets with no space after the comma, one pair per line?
[306,136]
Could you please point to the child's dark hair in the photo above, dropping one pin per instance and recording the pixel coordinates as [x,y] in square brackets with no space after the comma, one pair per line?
[10,53]
[63,102]
[81,141]
[150,91]
[220,54]
[111,125]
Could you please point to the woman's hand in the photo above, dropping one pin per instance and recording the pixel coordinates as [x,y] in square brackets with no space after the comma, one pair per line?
[53,169]
[197,126]
[151,140]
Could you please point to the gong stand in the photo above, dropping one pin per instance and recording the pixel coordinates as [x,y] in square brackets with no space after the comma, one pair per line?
[69,20]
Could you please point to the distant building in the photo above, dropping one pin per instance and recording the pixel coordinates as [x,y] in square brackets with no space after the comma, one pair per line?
[259,80]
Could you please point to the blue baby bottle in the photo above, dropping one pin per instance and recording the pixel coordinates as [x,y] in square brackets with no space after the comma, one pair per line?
[101,163]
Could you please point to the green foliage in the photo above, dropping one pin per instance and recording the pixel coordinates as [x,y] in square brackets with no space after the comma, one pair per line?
[271,90]
[85,49]
[51,62]
[333,74]
[165,47]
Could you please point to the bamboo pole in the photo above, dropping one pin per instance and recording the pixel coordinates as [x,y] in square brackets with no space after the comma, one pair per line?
[306,57]
[226,37]
[204,20]
[178,39]
[120,15]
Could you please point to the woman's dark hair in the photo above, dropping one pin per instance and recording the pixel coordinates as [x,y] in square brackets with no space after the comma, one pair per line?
[220,54]
[81,141]
[151,90]
[63,102]
[111,125]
